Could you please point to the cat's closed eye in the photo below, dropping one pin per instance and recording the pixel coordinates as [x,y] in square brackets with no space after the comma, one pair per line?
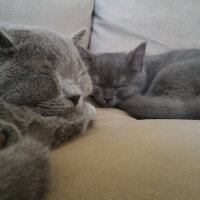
[80,76]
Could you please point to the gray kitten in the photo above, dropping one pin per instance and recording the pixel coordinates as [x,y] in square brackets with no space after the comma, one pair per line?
[161,86]
[43,83]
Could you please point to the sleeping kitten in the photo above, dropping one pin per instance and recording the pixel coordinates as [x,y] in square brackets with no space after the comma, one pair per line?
[43,83]
[161,86]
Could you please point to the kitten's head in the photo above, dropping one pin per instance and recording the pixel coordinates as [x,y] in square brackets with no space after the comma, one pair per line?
[38,66]
[115,76]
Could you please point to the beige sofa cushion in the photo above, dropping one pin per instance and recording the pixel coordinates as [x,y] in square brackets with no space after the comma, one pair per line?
[64,16]
[121,25]
[121,158]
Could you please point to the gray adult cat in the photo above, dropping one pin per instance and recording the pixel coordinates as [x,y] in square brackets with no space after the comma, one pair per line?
[161,86]
[43,83]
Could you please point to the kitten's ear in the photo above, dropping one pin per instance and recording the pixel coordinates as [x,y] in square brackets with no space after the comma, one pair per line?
[5,42]
[136,57]
[86,56]
[77,36]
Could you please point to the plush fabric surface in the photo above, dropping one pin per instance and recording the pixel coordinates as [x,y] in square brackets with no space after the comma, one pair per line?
[121,25]
[64,16]
[121,158]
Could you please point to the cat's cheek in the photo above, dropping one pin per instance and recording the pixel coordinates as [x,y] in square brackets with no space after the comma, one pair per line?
[85,85]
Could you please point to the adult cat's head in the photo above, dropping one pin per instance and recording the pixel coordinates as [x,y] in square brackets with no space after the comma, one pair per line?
[39,66]
[115,76]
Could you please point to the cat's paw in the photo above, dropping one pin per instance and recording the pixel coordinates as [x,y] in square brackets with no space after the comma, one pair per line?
[90,113]
[9,134]
[55,107]
[91,110]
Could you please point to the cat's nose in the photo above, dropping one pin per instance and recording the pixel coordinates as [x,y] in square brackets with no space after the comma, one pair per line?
[75,99]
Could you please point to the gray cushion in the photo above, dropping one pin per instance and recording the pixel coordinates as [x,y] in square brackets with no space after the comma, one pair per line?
[121,25]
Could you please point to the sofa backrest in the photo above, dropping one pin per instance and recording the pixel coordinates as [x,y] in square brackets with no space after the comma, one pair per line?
[120,25]
[64,16]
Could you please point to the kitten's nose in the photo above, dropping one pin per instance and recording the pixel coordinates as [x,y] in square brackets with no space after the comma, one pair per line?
[107,99]
[75,99]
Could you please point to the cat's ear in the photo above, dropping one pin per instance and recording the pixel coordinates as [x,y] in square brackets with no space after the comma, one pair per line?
[77,36]
[86,56]
[5,42]
[136,57]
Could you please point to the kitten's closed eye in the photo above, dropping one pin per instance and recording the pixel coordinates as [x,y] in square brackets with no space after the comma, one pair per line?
[102,85]
[120,87]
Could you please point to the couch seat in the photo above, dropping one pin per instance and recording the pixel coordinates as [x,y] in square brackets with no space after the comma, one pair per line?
[121,158]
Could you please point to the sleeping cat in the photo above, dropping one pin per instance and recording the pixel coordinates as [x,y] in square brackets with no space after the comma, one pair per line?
[43,83]
[147,87]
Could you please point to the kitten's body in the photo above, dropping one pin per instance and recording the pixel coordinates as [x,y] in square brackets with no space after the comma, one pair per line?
[172,88]
[178,70]
[161,86]
[42,86]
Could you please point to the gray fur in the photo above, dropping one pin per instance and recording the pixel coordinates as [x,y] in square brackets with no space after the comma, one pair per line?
[25,170]
[161,86]
[43,84]
[77,36]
